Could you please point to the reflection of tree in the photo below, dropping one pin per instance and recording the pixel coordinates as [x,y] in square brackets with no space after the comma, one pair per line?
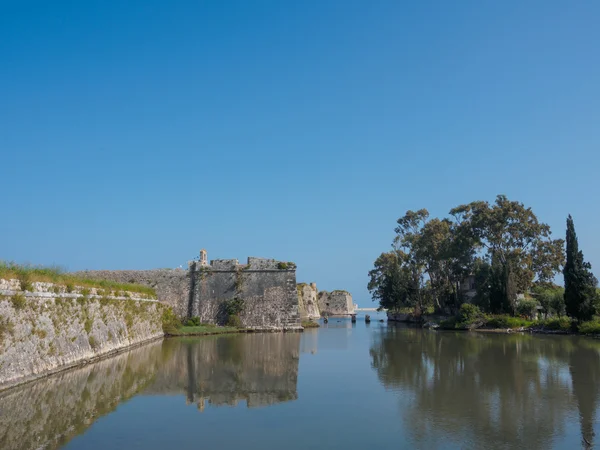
[50,412]
[495,390]
[584,365]
[261,369]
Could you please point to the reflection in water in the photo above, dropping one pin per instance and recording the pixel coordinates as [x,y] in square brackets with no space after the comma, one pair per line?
[48,413]
[492,391]
[261,369]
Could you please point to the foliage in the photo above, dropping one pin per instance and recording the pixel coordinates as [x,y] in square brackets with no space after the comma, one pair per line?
[286,265]
[527,307]
[503,245]
[193,322]
[233,306]
[515,245]
[551,298]
[590,327]
[203,330]
[170,322]
[556,323]
[505,321]
[309,324]
[29,274]
[18,301]
[580,283]
[469,316]
[233,320]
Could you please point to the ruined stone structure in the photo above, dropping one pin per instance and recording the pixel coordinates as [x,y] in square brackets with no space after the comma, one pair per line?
[266,287]
[307,301]
[335,303]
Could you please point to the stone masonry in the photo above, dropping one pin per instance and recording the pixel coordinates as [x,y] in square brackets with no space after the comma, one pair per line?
[335,303]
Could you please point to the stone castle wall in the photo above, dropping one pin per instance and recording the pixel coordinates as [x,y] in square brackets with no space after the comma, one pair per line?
[335,303]
[267,288]
[307,301]
[49,329]
[172,286]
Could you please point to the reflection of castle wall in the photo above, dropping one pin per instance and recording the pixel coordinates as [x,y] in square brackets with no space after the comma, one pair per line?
[261,369]
[49,412]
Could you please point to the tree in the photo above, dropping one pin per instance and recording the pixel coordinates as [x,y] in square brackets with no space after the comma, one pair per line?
[389,281]
[516,245]
[580,283]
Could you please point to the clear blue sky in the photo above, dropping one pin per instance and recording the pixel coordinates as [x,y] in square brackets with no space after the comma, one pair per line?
[134,133]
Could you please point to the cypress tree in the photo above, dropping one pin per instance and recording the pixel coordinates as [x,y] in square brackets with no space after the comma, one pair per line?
[580,283]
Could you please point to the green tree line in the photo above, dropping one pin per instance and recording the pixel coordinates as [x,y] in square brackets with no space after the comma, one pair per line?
[502,248]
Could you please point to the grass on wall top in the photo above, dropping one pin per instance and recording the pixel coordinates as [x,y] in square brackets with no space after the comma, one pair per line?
[28,274]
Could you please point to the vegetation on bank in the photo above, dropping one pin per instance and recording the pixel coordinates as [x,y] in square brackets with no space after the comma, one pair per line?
[30,274]
[204,330]
[172,326]
[498,259]
[470,317]
[309,324]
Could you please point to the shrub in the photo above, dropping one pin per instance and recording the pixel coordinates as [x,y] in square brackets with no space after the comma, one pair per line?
[233,306]
[557,323]
[309,324]
[527,307]
[503,321]
[193,322]
[469,316]
[18,301]
[234,321]
[170,322]
[25,281]
[590,327]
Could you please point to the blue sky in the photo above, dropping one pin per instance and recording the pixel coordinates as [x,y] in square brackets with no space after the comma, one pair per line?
[132,134]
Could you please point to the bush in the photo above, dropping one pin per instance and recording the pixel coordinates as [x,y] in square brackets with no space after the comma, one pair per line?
[469,316]
[234,321]
[507,322]
[591,327]
[557,323]
[170,322]
[193,322]
[448,324]
[527,307]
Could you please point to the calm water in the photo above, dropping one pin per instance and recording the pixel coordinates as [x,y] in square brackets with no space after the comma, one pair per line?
[341,386]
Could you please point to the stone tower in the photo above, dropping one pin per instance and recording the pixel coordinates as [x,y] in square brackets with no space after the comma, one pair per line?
[203,258]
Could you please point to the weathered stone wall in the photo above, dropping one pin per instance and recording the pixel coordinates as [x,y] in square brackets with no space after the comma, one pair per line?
[49,329]
[267,288]
[308,304]
[48,413]
[172,286]
[335,303]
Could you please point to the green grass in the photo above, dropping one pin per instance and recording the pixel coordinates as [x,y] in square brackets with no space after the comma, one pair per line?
[203,330]
[504,321]
[309,324]
[29,274]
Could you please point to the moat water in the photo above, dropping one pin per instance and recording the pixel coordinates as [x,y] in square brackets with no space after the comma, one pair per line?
[343,386]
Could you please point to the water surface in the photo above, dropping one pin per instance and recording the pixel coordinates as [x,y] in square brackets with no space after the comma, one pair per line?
[350,386]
